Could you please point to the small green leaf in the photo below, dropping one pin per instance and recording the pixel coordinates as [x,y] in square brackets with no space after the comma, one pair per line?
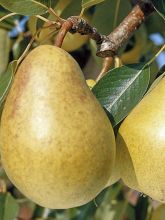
[160,7]
[121,89]
[6,80]
[26,7]
[88,3]
[4,50]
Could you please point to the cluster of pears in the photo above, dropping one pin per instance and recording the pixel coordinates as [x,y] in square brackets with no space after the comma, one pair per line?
[57,144]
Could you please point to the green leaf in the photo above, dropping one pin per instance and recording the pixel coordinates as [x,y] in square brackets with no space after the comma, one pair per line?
[6,80]
[72,9]
[88,3]
[121,89]
[8,207]
[2,205]
[160,7]
[4,50]
[11,208]
[26,7]
[109,14]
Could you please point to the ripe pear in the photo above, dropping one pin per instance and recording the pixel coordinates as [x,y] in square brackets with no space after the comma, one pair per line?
[159,213]
[115,176]
[58,146]
[123,167]
[142,134]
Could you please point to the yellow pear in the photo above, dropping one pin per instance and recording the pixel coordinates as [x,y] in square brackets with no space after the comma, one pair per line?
[159,213]
[115,176]
[58,146]
[142,134]
[123,165]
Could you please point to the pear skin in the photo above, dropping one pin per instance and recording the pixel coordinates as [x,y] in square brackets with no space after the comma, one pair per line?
[123,166]
[159,213]
[143,135]
[116,175]
[58,146]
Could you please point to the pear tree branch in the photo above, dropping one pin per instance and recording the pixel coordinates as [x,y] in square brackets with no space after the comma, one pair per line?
[108,46]
[116,39]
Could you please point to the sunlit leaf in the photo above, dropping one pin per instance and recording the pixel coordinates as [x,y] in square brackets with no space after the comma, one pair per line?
[26,7]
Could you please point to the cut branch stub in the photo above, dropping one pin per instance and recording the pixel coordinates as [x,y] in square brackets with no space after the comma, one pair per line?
[125,30]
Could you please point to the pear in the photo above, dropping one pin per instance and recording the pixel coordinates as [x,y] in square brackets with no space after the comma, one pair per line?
[116,175]
[159,213]
[142,135]
[123,166]
[58,146]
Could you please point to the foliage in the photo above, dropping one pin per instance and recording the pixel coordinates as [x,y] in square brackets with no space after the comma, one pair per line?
[119,91]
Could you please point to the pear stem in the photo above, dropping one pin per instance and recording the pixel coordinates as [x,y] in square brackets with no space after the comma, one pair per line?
[107,63]
[66,26]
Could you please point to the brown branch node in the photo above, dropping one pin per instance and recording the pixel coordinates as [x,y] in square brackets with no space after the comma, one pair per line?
[81,26]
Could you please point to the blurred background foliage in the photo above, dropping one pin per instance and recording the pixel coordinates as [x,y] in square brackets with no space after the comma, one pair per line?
[116,202]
